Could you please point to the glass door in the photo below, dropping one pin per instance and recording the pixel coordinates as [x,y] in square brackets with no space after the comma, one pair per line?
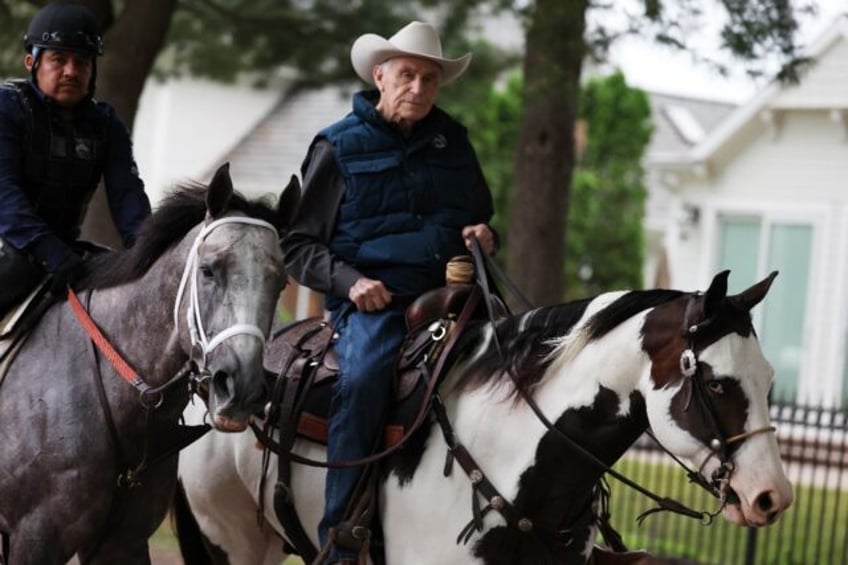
[753,246]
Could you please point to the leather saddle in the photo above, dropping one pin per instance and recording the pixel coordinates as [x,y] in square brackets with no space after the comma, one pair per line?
[301,355]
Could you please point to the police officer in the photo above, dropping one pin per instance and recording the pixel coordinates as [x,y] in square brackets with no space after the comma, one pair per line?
[56,144]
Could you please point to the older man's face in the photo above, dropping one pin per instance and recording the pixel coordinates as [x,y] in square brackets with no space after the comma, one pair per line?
[408,87]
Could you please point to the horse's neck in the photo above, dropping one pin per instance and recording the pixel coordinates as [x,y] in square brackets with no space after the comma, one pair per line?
[594,397]
[138,318]
[601,384]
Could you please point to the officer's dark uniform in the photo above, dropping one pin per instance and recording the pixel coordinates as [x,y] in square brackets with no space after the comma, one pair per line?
[52,159]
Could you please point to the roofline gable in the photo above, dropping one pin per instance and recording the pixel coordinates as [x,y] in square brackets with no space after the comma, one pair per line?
[759,106]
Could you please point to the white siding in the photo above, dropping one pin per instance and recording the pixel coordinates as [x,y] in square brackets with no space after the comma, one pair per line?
[824,84]
[184,128]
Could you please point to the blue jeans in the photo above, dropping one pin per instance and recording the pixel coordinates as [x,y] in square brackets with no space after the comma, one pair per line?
[367,347]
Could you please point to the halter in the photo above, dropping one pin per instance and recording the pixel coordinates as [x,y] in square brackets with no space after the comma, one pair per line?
[201,345]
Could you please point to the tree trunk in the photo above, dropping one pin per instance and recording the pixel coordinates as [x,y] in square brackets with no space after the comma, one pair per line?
[546,149]
[131,44]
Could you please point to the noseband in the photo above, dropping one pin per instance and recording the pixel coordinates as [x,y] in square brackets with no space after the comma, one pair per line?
[201,344]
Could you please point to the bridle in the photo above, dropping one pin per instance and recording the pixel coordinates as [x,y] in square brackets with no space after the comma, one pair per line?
[152,397]
[719,483]
[201,343]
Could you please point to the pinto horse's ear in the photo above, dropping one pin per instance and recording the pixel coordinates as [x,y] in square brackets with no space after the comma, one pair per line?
[289,200]
[219,192]
[749,298]
[715,294]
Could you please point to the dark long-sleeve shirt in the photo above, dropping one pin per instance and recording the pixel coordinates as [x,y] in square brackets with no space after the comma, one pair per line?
[22,227]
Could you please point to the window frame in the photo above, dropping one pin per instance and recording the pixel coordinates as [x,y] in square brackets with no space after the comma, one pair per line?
[816,357]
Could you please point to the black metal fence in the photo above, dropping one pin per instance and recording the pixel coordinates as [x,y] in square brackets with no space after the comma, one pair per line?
[814,446]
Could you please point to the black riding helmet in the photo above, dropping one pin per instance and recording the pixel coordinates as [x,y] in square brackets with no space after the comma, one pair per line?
[64,26]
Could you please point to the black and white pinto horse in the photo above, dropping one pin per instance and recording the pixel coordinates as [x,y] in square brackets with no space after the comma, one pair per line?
[602,371]
[80,426]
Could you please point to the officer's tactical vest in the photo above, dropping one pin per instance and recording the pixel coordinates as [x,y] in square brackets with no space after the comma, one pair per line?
[64,156]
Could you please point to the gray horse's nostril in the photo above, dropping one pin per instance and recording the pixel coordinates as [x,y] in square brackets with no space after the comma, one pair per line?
[224,384]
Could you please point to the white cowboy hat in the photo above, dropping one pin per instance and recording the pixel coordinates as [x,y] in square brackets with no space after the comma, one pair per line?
[417,39]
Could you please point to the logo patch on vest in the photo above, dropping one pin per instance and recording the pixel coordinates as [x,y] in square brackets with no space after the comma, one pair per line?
[440,142]
[84,149]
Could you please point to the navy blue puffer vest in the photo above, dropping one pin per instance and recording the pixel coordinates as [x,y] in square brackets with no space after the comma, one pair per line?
[407,199]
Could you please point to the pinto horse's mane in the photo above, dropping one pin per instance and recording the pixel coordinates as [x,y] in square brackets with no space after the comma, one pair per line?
[179,213]
[531,341]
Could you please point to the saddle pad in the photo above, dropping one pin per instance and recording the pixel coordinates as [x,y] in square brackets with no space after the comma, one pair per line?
[18,324]
[13,317]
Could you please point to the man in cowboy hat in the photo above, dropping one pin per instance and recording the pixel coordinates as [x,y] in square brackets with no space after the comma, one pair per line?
[391,193]
[56,144]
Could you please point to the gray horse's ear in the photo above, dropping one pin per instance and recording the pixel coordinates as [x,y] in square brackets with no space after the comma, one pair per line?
[749,298]
[219,192]
[715,294]
[289,200]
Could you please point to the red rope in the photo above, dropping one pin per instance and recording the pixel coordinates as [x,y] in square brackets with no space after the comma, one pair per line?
[109,352]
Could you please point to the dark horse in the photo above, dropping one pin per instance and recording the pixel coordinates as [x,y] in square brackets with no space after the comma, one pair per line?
[600,372]
[77,440]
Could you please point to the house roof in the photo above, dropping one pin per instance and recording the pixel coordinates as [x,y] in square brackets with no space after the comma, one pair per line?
[268,155]
[681,122]
[777,97]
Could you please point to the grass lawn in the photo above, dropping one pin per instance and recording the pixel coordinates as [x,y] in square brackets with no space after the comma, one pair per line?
[813,530]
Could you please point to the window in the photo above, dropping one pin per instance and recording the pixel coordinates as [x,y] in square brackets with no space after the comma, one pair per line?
[753,246]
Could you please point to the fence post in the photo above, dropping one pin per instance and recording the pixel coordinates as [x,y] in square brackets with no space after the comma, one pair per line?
[751,546]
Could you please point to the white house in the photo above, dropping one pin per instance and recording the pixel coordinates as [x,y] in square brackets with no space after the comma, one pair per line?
[768,190]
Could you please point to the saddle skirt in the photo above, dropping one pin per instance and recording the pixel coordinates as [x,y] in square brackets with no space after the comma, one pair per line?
[301,355]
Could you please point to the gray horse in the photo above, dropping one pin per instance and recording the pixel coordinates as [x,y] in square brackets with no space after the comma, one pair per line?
[85,462]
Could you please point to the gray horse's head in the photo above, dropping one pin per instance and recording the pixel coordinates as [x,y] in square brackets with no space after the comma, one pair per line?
[227,299]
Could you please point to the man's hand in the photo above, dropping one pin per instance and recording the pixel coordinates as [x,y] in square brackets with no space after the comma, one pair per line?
[369,295]
[69,273]
[484,236]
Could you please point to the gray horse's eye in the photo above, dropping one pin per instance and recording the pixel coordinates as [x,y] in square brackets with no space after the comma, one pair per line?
[715,387]
[207,272]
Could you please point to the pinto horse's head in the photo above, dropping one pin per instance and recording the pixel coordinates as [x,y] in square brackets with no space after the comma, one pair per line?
[708,401]
[232,280]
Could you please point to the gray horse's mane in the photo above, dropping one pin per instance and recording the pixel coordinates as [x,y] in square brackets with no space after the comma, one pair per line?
[178,214]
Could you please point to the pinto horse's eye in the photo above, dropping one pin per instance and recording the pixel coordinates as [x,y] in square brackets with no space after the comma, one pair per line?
[207,272]
[715,387]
